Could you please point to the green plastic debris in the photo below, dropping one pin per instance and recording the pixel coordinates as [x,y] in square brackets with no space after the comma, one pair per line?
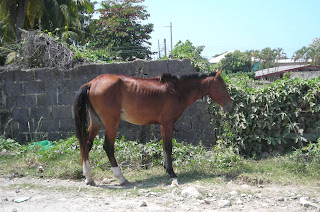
[22,199]
[43,144]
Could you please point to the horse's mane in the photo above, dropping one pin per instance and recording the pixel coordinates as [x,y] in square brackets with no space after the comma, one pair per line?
[167,77]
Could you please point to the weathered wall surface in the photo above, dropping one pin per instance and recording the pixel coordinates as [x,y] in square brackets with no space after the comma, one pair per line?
[37,103]
[305,74]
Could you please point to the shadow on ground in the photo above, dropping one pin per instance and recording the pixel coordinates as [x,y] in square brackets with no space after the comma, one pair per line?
[164,180]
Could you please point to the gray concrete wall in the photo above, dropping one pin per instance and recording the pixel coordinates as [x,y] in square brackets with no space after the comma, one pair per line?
[305,74]
[37,103]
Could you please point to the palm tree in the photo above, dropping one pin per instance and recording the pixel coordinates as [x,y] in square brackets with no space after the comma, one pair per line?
[268,57]
[66,18]
[313,54]
[12,16]
[43,14]
[302,54]
[280,54]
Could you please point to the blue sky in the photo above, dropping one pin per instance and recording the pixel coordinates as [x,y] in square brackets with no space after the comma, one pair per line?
[222,25]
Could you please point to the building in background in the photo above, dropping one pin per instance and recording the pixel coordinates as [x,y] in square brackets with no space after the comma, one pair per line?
[303,71]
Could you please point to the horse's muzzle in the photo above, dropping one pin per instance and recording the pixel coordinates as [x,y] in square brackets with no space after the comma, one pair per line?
[228,107]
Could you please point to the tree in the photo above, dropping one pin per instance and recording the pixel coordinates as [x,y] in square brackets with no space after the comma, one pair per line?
[12,16]
[269,57]
[301,54]
[312,52]
[280,54]
[120,29]
[236,62]
[244,61]
[65,18]
[41,14]
[187,50]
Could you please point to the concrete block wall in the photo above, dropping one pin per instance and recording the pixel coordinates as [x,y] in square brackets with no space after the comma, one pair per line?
[37,103]
[304,74]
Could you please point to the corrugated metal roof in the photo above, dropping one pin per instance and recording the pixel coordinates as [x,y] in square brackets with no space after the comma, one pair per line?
[278,70]
[284,61]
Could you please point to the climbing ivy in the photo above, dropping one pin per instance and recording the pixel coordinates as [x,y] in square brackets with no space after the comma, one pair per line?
[280,115]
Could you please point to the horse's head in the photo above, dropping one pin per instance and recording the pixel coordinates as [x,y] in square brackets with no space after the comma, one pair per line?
[218,92]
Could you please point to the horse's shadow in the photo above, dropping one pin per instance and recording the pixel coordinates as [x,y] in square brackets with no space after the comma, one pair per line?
[163,180]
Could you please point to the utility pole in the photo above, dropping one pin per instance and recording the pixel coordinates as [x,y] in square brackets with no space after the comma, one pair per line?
[165,47]
[171,37]
[159,49]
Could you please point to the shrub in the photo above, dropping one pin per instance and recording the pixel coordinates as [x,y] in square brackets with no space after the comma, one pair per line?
[8,145]
[268,117]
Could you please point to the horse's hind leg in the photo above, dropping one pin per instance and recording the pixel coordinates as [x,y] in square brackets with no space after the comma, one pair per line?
[95,125]
[111,132]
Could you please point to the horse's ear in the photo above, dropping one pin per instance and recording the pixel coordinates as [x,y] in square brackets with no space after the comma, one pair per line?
[218,73]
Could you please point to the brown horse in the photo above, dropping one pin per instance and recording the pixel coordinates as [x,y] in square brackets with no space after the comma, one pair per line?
[159,100]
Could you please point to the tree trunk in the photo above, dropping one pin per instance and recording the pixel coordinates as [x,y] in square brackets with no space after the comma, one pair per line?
[21,9]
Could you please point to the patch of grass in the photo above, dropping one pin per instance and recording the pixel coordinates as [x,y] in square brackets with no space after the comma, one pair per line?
[24,186]
[142,164]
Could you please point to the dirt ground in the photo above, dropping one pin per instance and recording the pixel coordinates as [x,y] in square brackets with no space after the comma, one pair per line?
[32,194]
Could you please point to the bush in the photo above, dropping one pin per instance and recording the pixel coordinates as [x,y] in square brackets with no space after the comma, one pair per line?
[305,161]
[308,155]
[268,117]
[8,145]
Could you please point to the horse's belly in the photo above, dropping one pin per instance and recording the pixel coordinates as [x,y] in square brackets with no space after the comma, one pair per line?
[126,117]
[138,119]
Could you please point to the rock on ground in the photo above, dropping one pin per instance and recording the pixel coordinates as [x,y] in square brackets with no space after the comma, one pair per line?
[191,192]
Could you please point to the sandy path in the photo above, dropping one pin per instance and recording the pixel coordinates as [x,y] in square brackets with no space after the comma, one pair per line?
[67,195]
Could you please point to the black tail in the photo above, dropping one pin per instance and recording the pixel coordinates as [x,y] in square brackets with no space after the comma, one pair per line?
[80,105]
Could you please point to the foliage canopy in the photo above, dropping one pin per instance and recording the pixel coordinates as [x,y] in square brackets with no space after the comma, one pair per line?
[68,20]
[65,17]
[279,115]
[312,52]
[120,29]
[188,50]
[235,62]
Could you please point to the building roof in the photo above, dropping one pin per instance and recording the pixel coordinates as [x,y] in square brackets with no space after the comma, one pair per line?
[291,60]
[220,57]
[280,69]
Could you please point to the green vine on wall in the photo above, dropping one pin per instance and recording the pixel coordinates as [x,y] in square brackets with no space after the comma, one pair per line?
[268,117]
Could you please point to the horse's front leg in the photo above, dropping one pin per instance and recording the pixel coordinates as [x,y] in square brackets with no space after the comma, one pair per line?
[166,132]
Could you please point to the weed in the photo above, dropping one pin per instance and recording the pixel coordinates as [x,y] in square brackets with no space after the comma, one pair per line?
[8,144]
[143,162]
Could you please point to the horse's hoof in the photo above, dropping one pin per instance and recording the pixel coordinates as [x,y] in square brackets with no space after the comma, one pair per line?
[174,182]
[125,183]
[92,183]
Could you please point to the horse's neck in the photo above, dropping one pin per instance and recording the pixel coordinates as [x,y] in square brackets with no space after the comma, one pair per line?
[192,90]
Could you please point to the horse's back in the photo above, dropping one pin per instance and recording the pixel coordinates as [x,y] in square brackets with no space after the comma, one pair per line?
[136,100]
